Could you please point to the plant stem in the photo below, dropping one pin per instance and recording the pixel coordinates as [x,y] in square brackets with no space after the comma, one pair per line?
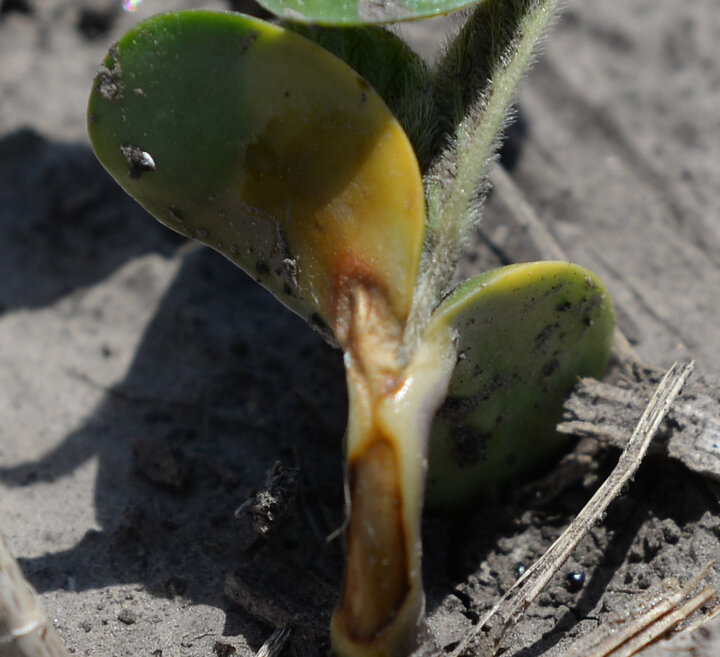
[382,603]
[476,83]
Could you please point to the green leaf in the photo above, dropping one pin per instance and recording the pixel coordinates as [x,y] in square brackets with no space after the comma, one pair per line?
[394,70]
[361,12]
[525,334]
[266,147]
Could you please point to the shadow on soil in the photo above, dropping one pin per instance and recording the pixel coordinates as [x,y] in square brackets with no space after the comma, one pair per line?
[224,383]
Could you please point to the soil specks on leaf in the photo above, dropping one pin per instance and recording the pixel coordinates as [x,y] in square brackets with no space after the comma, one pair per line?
[544,335]
[139,160]
[549,367]
[108,80]
[382,10]
[246,42]
[176,214]
[457,410]
[470,445]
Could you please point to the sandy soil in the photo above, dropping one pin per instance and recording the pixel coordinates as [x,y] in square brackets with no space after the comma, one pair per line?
[148,387]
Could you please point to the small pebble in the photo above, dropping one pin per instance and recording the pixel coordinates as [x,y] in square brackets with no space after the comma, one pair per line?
[127,616]
[224,649]
[575,581]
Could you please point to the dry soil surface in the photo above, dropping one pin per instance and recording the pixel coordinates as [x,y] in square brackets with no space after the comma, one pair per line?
[147,387]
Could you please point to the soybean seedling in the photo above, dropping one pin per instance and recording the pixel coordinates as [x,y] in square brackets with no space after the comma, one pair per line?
[350,194]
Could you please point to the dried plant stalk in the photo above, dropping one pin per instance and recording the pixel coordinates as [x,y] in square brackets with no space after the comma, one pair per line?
[25,630]
[519,597]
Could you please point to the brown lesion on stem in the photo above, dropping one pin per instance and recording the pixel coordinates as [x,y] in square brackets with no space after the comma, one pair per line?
[376,577]
[381,601]
[367,328]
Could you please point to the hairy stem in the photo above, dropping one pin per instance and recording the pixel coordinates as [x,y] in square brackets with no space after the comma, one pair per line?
[476,83]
